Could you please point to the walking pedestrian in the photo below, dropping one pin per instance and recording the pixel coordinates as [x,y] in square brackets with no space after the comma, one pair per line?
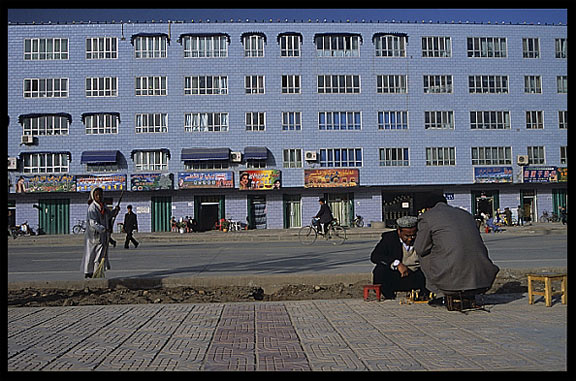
[130,225]
[520,211]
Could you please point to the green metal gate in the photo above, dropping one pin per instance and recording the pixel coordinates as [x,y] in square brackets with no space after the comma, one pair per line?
[54,216]
[161,213]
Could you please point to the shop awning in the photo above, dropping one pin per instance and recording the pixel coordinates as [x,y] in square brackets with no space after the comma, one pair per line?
[91,157]
[201,154]
[255,153]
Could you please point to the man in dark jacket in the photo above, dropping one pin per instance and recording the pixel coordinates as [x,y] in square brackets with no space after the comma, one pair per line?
[452,254]
[130,224]
[397,264]
[324,215]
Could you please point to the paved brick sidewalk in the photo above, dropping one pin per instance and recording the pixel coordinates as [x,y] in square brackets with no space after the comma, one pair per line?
[325,335]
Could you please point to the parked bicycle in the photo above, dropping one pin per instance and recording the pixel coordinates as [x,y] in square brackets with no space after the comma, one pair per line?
[334,233]
[545,217]
[80,227]
[358,222]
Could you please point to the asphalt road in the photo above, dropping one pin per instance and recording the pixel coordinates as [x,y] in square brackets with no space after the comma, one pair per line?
[62,262]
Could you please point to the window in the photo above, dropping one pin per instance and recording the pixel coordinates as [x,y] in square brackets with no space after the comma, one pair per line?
[150,46]
[388,84]
[437,84]
[436,47]
[339,120]
[99,124]
[536,155]
[491,155]
[101,48]
[532,84]
[102,87]
[206,165]
[292,158]
[561,47]
[290,84]
[489,120]
[151,86]
[394,157]
[45,162]
[45,49]
[483,84]
[392,120]
[255,163]
[338,84]
[151,160]
[206,85]
[291,121]
[337,45]
[43,125]
[290,44]
[151,123]
[563,154]
[45,88]
[340,157]
[254,44]
[390,45]
[530,48]
[254,84]
[440,156]
[563,119]
[534,120]
[205,46]
[487,47]
[255,121]
[206,122]
[439,119]
[562,84]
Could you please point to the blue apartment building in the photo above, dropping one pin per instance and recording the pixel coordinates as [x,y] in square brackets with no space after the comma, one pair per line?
[255,121]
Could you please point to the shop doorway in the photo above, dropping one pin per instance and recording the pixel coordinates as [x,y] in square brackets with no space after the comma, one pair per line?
[257,212]
[208,210]
[54,216]
[396,205]
[528,202]
[486,202]
[292,211]
[342,206]
[161,213]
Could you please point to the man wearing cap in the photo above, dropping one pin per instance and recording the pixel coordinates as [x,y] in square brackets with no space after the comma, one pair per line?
[98,232]
[397,264]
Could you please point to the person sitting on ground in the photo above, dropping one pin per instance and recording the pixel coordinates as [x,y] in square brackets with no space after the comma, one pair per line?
[397,264]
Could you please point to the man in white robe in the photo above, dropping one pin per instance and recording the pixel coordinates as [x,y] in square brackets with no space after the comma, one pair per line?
[98,230]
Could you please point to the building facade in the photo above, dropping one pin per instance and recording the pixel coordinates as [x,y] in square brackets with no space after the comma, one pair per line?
[255,121]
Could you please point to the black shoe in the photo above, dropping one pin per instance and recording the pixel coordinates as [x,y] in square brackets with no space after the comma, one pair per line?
[436,302]
[89,275]
[126,247]
[136,245]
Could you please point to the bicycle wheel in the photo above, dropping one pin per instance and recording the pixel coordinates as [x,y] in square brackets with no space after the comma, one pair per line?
[337,235]
[77,229]
[307,235]
[360,223]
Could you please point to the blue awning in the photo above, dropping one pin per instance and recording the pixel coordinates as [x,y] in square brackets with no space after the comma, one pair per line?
[199,154]
[255,153]
[91,157]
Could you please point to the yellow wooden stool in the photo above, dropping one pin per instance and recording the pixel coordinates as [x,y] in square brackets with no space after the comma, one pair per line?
[547,278]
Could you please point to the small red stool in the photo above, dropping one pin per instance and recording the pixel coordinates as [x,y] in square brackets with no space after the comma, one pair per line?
[375,287]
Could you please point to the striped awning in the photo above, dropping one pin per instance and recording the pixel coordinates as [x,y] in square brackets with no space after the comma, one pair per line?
[91,157]
[201,154]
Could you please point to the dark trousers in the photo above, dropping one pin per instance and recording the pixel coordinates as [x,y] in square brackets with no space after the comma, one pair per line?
[130,238]
[390,281]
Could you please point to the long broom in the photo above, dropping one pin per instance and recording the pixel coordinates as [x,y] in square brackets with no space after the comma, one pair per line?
[100,270]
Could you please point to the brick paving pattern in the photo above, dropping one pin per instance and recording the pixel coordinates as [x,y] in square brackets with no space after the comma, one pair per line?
[325,335]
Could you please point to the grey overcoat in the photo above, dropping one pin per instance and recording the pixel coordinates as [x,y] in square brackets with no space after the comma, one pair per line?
[452,254]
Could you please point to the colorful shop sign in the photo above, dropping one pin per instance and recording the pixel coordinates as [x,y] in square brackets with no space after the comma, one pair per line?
[194,180]
[85,183]
[540,175]
[151,181]
[493,174]
[260,179]
[562,174]
[46,183]
[331,178]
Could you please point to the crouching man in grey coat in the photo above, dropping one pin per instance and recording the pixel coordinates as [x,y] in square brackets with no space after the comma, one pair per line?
[453,256]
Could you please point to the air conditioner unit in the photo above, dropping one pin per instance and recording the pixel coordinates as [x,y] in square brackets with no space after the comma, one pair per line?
[12,163]
[522,159]
[27,139]
[310,155]
[236,157]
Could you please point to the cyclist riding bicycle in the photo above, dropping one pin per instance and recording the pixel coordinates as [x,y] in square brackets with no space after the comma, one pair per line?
[323,217]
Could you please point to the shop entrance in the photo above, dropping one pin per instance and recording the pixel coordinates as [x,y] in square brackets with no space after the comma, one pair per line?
[161,213]
[396,205]
[208,210]
[486,202]
[54,216]
[342,206]
[257,212]
[528,202]
[292,211]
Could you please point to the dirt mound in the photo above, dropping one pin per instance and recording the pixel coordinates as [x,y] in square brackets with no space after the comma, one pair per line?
[508,281]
